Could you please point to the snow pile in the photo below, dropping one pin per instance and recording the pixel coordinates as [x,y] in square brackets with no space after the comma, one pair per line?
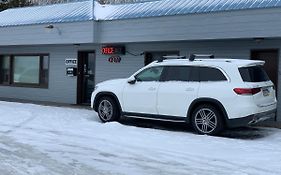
[50,140]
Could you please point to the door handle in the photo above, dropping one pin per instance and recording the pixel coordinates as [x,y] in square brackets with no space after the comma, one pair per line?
[152,89]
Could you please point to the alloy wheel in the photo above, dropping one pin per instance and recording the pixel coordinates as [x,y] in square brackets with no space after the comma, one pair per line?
[105,110]
[206,120]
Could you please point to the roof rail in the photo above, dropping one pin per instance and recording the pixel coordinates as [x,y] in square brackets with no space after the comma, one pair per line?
[193,56]
[174,57]
[170,57]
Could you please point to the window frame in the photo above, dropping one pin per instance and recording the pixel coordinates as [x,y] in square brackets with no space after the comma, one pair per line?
[41,84]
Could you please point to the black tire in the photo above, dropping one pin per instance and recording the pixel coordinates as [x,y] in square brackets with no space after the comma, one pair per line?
[207,120]
[108,110]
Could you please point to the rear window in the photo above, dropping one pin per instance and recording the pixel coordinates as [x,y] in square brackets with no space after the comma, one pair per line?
[253,74]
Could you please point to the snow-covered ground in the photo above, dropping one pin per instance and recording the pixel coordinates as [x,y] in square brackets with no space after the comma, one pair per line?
[63,141]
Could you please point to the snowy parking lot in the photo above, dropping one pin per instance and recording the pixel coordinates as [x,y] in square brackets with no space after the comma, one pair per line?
[65,141]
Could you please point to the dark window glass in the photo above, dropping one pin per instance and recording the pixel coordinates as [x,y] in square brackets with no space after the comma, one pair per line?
[176,73]
[4,69]
[150,74]
[253,74]
[153,56]
[180,73]
[194,74]
[211,74]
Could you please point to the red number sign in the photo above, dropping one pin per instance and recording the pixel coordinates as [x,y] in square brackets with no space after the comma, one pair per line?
[113,50]
[108,50]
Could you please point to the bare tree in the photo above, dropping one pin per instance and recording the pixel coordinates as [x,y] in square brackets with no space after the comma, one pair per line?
[4,4]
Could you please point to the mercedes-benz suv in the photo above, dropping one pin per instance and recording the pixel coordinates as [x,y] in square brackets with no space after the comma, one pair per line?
[210,94]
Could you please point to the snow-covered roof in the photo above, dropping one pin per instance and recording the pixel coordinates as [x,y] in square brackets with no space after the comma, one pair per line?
[182,7]
[90,10]
[57,13]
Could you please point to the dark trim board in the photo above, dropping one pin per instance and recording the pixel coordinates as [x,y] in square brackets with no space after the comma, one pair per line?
[155,117]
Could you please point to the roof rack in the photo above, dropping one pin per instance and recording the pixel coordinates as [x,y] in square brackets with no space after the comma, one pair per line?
[170,57]
[193,56]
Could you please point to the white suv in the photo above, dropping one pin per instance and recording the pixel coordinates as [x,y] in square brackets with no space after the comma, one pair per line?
[211,94]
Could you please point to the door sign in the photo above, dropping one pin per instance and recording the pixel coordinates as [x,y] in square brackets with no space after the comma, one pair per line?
[71,61]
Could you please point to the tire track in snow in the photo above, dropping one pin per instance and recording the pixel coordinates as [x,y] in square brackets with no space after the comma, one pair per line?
[21,159]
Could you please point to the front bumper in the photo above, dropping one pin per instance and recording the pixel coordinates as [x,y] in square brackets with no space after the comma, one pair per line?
[251,119]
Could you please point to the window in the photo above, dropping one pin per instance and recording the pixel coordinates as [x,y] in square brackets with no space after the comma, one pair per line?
[4,70]
[24,70]
[155,55]
[253,74]
[180,73]
[211,74]
[150,74]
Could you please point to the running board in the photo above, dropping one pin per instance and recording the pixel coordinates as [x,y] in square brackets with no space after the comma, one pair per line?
[154,117]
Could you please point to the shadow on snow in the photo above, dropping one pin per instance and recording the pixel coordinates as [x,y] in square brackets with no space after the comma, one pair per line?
[244,133]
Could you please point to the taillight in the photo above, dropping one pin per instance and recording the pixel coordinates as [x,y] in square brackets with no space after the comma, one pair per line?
[247,91]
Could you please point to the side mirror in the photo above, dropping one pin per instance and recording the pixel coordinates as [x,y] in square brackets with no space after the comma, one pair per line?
[131,80]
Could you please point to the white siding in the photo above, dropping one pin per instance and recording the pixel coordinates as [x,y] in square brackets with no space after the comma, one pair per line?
[62,33]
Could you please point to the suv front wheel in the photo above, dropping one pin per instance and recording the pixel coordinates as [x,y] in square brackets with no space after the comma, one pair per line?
[206,119]
[108,110]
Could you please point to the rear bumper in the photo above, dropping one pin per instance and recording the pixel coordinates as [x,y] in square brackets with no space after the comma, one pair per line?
[251,119]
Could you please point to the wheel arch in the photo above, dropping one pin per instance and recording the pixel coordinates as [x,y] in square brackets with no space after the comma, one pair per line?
[210,101]
[106,94]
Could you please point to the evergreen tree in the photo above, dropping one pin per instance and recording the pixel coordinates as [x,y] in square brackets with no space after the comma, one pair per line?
[4,4]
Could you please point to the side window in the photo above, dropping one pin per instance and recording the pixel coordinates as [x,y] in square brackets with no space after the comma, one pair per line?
[176,73]
[194,74]
[150,74]
[211,74]
[180,73]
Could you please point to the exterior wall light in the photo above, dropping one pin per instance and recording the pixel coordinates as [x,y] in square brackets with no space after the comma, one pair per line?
[50,26]
[258,40]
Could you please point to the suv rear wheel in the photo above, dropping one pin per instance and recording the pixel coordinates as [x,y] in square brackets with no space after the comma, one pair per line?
[206,119]
[108,110]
